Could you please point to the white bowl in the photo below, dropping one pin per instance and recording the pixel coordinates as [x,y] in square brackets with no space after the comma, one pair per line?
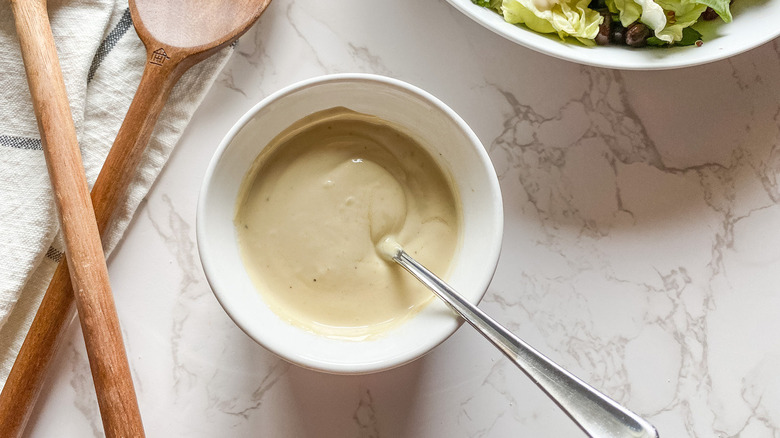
[425,118]
[754,23]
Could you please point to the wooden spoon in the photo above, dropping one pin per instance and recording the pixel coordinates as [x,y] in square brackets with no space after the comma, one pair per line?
[86,262]
[177,35]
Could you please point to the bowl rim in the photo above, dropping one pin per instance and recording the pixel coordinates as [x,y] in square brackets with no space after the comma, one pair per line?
[493,235]
[548,45]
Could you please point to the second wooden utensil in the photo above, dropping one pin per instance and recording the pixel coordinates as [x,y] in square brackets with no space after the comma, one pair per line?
[86,262]
[167,60]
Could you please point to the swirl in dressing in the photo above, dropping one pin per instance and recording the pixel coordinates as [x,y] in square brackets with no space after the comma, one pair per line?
[315,205]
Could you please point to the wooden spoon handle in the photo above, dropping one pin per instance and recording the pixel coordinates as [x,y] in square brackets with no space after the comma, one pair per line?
[27,376]
[86,262]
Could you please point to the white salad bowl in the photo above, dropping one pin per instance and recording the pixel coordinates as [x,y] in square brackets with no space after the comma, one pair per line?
[755,22]
[422,116]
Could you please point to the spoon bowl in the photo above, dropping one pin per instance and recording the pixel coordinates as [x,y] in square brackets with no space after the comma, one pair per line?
[193,30]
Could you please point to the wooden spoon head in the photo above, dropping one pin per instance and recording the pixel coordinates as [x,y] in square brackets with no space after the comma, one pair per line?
[194,26]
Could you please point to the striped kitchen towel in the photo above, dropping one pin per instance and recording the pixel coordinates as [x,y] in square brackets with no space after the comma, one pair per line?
[102,60]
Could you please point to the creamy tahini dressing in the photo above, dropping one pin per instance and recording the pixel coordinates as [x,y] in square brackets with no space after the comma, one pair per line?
[316,203]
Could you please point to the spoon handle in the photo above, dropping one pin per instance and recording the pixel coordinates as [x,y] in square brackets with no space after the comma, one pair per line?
[27,376]
[597,415]
[86,262]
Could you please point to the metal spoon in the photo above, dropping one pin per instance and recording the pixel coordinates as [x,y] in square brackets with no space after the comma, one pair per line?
[597,415]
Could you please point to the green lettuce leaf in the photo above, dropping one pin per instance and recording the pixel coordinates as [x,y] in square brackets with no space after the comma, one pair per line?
[492,4]
[685,13]
[646,11]
[721,7]
[667,18]
[689,37]
[564,17]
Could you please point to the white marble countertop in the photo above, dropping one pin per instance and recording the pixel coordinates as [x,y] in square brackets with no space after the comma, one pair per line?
[641,248]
